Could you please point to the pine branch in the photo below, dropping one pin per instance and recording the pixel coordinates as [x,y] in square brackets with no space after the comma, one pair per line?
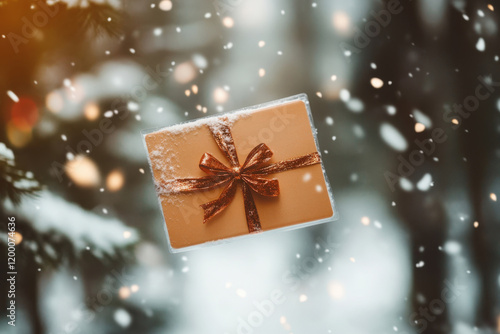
[14,182]
[75,18]
[55,231]
[94,19]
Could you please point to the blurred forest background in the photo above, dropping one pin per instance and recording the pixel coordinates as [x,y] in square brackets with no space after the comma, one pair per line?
[416,248]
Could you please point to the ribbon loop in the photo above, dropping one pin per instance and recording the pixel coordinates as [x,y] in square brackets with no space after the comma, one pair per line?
[210,165]
[258,156]
[222,135]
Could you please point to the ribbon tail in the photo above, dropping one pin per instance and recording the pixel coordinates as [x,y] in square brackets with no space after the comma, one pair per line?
[215,207]
[253,220]
[303,161]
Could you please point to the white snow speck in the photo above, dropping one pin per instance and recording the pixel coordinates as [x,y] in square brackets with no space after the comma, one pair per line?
[344,95]
[355,105]
[330,121]
[132,106]
[306,177]
[393,137]
[405,184]
[391,110]
[108,114]
[358,131]
[480,45]
[452,247]
[122,318]
[422,118]
[13,96]
[425,182]
[157,31]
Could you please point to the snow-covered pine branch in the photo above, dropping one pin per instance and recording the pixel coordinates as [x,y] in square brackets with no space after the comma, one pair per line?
[56,221]
[14,182]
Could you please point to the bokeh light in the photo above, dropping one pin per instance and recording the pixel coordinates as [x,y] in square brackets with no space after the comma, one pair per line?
[54,102]
[220,95]
[18,137]
[184,72]
[115,180]
[165,5]
[341,22]
[91,111]
[83,171]
[24,114]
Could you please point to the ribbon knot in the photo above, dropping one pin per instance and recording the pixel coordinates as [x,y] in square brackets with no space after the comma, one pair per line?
[249,175]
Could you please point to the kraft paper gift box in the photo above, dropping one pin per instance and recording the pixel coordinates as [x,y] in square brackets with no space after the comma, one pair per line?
[240,173]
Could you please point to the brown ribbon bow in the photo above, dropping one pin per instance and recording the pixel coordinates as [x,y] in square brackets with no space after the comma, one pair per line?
[248,175]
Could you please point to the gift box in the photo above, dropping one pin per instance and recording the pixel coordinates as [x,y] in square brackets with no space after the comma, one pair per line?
[238,174]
